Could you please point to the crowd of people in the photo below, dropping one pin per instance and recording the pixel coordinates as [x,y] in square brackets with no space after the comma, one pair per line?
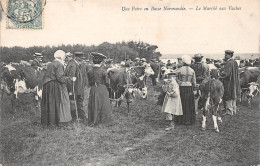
[182,91]
[70,85]
[73,85]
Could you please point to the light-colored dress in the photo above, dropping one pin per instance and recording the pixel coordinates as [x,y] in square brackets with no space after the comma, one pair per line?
[172,101]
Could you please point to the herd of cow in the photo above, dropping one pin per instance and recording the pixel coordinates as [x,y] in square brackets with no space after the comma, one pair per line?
[123,82]
[17,78]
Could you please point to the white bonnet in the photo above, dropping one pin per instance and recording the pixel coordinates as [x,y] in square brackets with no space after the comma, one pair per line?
[186,59]
[60,54]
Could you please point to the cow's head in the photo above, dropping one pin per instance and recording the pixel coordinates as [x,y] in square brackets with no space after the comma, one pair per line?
[129,93]
[253,89]
[148,71]
[137,76]
[214,73]
[8,74]
[144,92]
[20,87]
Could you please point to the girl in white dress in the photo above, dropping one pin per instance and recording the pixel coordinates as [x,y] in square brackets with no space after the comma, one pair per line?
[172,101]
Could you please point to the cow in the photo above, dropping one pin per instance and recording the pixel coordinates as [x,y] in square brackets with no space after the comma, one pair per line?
[211,97]
[121,83]
[17,79]
[249,82]
[141,73]
[126,82]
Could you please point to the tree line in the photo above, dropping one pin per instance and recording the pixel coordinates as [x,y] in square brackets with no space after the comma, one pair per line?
[118,51]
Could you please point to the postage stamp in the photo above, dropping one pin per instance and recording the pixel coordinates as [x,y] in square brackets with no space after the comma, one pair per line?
[25,14]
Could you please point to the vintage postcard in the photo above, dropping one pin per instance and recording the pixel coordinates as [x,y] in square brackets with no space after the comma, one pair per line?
[129,82]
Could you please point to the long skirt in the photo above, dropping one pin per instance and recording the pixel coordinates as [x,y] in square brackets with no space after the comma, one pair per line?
[99,108]
[55,106]
[85,100]
[65,113]
[188,106]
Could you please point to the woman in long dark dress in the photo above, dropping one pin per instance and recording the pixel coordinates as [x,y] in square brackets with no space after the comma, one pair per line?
[99,105]
[55,106]
[187,81]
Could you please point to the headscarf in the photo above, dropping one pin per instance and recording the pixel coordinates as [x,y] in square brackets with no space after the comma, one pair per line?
[60,56]
[186,59]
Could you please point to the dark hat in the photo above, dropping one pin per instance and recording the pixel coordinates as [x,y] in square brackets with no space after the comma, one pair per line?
[179,58]
[38,55]
[79,54]
[197,56]
[229,52]
[153,60]
[98,57]
[207,59]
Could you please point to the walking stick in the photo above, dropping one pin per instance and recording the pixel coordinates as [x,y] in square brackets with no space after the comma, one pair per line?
[73,88]
[158,77]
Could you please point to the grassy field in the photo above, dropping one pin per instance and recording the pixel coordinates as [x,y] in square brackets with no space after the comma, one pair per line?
[137,138]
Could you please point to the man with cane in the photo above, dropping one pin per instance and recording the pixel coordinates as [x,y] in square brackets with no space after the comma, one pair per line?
[76,90]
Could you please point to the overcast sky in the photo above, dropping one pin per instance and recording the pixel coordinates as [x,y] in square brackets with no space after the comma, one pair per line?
[175,32]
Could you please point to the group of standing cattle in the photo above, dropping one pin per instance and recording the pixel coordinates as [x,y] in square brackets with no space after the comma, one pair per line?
[17,78]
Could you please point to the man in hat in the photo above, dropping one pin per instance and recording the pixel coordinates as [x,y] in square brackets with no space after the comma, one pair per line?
[85,66]
[143,61]
[207,60]
[202,75]
[137,62]
[217,63]
[231,83]
[74,69]
[38,60]
[127,62]
[180,63]
[155,66]
[256,62]
[242,63]
[168,64]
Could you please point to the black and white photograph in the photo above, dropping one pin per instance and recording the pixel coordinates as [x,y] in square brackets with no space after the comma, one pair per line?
[130,82]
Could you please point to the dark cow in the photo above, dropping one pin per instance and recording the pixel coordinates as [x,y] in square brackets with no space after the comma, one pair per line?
[121,82]
[249,80]
[18,79]
[142,73]
[211,95]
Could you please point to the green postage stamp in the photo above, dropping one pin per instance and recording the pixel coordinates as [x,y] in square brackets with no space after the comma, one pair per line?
[25,14]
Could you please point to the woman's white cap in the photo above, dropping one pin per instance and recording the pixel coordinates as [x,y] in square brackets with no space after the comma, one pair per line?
[60,54]
[186,59]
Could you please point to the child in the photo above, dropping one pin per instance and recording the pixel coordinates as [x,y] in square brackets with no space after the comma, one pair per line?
[172,101]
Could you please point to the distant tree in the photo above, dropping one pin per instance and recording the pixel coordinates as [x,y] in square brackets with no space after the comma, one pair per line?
[117,51]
